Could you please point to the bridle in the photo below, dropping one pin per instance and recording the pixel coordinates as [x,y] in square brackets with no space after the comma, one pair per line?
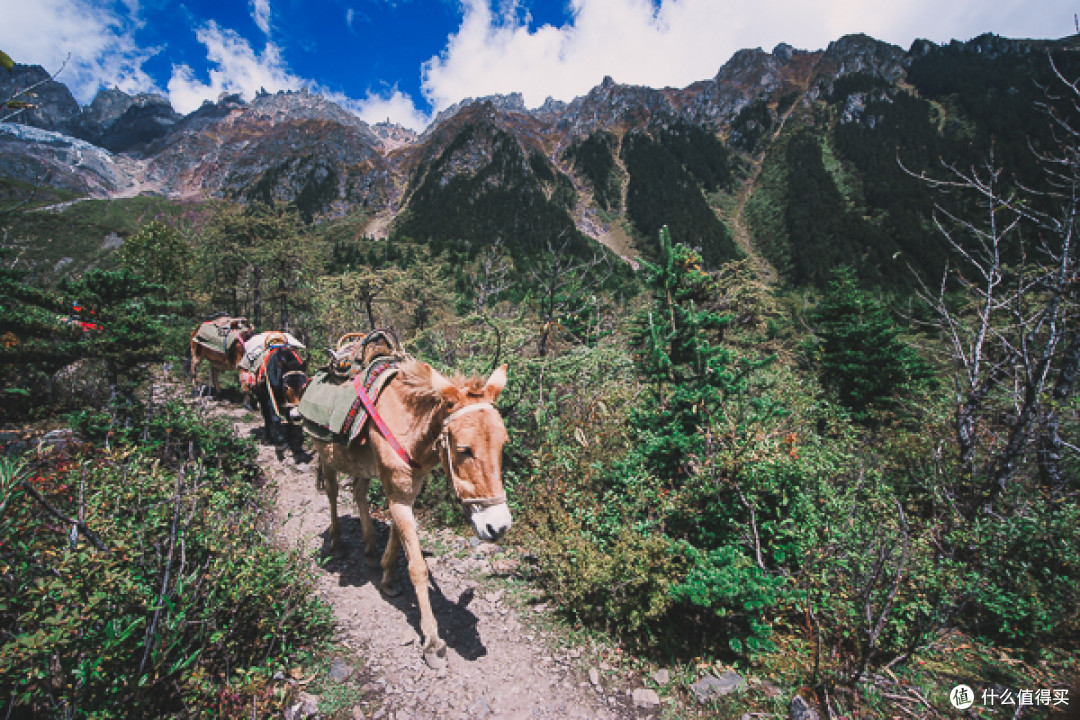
[444,440]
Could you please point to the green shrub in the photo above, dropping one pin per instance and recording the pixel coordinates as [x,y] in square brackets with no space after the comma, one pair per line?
[624,585]
[726,581]
[188,594]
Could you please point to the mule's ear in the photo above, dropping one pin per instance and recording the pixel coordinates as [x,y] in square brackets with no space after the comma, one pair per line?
[449,391]
[495,384]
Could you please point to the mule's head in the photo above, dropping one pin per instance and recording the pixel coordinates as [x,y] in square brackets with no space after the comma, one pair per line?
[293,379]
[472,442]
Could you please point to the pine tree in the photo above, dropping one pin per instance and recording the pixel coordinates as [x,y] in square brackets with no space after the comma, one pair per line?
[700,433]
[861,356]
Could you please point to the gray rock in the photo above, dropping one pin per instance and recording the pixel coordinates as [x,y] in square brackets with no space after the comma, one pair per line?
[594,677]
[112,242]
[479,709]
[305,706]
[340,671]
[662,676]
[711,686]
[801,710]
[645,698]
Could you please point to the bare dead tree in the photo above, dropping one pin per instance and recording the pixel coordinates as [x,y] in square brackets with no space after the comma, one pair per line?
[1009,312]
[561,279]
[492,275]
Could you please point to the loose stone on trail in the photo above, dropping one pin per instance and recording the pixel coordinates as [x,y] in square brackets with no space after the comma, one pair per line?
[645,698]
[711,686]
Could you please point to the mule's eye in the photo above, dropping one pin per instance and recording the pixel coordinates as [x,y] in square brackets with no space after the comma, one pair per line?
[464,451]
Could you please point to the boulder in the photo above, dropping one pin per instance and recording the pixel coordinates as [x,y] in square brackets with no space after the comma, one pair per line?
[801,710]
[711,686]
[305,706]
[645,698]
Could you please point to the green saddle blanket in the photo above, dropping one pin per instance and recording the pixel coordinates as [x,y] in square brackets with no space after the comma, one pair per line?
[332,409]
[216,336]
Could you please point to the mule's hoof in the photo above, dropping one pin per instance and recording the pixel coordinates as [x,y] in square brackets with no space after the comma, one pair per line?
[436,658]
[390,589]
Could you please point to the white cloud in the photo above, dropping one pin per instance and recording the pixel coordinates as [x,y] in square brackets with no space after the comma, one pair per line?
[237,69]
[397,107]
[95,40]
[261,14]
[673,43]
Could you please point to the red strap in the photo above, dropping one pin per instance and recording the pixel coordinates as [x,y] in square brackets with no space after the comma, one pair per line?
[377,419]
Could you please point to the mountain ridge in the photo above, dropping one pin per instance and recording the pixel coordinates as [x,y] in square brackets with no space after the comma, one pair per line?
[301,148]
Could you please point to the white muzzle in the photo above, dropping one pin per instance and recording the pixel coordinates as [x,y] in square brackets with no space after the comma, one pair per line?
[491,523]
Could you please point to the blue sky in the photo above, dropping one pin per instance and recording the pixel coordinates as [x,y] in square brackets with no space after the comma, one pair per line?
[405,60]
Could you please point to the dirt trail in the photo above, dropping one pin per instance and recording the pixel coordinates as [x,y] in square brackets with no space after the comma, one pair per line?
[499,665]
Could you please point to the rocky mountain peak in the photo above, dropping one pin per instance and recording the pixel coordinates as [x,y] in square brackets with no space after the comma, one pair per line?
[291,106]
[747,77]
[514,102]
[54,107]
[393,136]
[863,54]
[610,104]
[120,122]
[106,107]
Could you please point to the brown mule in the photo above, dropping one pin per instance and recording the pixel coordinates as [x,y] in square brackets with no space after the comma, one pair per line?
[435,420]
[221,343]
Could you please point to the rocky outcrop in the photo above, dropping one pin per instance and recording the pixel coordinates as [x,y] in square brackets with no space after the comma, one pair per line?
[53,106]
[120,122]
[612,106]
[293,147]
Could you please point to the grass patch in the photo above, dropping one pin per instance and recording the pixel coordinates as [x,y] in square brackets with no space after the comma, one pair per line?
[54,243]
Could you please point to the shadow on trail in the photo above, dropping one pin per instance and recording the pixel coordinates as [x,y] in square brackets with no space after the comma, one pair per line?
[457,623]
[292,445]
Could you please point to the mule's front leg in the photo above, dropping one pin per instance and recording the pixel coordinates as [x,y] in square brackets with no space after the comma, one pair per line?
[360,495]
[405,522]
[329,477]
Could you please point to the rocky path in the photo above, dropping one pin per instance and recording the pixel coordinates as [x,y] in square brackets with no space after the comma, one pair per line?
[500,666]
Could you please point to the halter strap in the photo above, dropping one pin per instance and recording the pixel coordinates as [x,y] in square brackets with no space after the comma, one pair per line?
[486,502]
[444,438]
[461,411]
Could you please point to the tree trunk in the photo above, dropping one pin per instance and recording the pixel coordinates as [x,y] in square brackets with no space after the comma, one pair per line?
[256,297]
